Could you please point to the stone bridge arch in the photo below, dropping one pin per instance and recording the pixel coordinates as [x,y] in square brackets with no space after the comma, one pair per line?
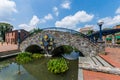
[79,41]
[33,48]
[58,51]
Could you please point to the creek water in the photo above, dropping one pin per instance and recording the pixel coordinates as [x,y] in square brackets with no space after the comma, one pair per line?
[36,70]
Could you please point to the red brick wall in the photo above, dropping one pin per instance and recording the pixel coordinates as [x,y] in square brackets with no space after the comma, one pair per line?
[12,37]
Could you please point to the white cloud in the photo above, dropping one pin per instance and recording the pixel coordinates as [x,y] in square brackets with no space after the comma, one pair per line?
[32,24]
[25,27]
[109,21]
[35,21]
[48,17]
[7,8]
[118,11]
[72,20]
[87,25]
[66,4]
[55,10]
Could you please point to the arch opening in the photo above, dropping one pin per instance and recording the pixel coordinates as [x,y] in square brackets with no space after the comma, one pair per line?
[66,51]
[34,49]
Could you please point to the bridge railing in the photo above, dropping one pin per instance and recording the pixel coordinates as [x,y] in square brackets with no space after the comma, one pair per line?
[65,30]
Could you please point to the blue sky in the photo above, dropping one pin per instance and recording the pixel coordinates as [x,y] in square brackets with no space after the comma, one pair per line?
[72,14]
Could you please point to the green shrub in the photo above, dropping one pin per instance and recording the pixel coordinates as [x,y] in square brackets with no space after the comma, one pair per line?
[57,65]
[68,49]
[24,57]
[37,56]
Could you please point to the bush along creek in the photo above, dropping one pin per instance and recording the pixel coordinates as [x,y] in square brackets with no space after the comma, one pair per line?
[25,57]
[57,65]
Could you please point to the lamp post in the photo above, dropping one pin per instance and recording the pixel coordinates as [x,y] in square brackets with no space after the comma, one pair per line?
[19,39]
[100,27]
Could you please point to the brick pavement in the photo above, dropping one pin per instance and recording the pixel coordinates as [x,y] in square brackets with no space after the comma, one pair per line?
[7,47]
[113,57]
[90,75]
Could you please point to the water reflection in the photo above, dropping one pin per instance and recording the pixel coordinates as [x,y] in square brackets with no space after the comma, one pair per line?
[11,73]
[72,56]
[37,70]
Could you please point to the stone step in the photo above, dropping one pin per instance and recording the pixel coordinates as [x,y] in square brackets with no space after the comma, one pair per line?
[91,61]
[106,64]
[83,60]
[96,61]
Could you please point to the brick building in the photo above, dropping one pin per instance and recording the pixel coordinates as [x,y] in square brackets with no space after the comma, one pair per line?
[12,36]
[85,30]
[117,27]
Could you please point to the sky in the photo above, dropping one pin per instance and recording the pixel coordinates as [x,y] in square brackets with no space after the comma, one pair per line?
[71,14]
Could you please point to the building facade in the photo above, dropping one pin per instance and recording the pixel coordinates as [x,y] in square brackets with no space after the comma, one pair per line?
[114,38]
[12,37]
[117,27]
[85,30]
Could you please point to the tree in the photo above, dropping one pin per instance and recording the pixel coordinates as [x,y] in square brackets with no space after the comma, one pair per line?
[35,31]
[90,32]
[107,28]
[5,27]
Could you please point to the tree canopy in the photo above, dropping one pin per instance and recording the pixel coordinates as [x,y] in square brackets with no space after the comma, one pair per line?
[5,27]
[35,31]
[90,32]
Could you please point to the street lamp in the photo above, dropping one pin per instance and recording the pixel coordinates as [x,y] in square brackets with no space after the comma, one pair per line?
[19,39]
[100,32]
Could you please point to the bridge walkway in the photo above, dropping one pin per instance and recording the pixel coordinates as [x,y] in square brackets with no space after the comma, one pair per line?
[91,61]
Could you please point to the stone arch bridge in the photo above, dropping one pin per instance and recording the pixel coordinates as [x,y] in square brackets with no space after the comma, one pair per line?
[64,36]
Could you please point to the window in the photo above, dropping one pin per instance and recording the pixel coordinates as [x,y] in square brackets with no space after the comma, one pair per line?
[12,33]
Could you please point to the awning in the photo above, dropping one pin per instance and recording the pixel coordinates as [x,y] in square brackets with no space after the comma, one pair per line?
[117,37]
[108,38]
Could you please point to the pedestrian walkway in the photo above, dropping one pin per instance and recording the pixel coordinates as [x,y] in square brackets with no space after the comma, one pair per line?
[112,57]
[7,50]
[7,47]
[92,75]
[94,62]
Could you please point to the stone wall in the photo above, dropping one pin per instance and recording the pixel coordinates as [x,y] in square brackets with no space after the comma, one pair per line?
[64,38]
